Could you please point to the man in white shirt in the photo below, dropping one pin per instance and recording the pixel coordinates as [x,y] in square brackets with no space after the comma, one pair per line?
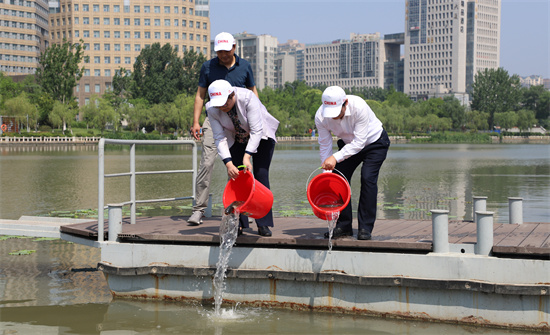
[362,140]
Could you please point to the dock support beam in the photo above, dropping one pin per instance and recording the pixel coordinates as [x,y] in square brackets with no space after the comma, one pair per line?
[515,206]
[115,221]
[480,205]
[484,243]
[440,230]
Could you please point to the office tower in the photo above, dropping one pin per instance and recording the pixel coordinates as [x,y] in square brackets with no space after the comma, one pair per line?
[289,62]
[24,35]
[357,62]
[447,42]
[260,51]
[483,38]
[114,33]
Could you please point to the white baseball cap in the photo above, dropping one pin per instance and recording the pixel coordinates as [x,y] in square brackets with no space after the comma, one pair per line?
[224,41]
[333,99]
[218,92]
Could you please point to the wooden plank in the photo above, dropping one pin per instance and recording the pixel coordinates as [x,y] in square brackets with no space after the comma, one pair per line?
[384,228]
[412,235]
[537,237]
[518,235]
[415,231]
[465,230]
[502,231]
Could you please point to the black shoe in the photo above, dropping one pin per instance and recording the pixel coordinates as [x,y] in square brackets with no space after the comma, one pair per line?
[363,234]
[339,232]
[264,231]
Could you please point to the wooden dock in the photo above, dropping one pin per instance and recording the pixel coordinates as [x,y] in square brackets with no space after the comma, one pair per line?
[528,240]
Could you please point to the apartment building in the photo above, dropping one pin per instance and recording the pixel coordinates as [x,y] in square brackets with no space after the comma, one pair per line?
[447,42]
[115,31]
[289,62]
[260,51]
[24,35]
[357,62]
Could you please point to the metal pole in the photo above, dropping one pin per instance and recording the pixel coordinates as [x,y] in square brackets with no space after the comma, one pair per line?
[133,184]
[515,206]
[115,221]
[484,243]
[440,230]
[480,205]
[100,189]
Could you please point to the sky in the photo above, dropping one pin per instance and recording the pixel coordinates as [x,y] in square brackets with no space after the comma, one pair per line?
[524,35]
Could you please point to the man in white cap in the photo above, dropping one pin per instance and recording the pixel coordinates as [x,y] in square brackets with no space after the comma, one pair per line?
[362,140]
[243,130]
[237,72]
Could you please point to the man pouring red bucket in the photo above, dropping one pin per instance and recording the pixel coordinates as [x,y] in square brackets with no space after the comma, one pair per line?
[362,141]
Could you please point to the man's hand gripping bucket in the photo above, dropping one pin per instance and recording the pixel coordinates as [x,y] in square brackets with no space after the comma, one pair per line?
[327,194]
[248,195]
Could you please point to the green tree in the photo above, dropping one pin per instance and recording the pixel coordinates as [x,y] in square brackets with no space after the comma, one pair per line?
[136,113]
[59,70]
[61,113]
[506,120]
[158,74]
[455,111]
[537,99]
[494,91]
[526,119]
[99,112]
[192,63]
[119,94]
[476,120]
[183,117]
[8,88]
[24,111]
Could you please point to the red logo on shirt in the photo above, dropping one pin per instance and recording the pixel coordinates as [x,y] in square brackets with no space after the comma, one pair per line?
[213,94]
[332,103]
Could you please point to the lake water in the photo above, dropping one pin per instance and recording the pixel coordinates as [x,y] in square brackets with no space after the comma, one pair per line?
[56,289]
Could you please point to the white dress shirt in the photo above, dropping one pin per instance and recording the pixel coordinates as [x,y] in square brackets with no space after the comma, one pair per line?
[358,128]
[254,118]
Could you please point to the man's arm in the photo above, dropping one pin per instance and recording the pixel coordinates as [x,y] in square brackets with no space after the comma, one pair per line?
[197,110]
[253,89]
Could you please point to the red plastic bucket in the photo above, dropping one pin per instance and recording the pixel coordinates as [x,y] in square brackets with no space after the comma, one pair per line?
[328,193]
[257,198]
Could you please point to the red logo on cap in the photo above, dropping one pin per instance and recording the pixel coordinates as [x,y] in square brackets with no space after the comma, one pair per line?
[330,103]
[215,94]
[223,41]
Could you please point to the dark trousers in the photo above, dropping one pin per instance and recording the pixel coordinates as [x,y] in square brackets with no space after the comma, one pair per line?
[261,161]
[372,156]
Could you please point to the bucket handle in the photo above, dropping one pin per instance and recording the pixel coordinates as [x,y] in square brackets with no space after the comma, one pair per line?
[253,179]
[319,168]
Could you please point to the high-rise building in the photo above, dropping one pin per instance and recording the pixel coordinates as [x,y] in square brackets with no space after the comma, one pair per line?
[447,42]
[115,31]
[483,38]
[24,35]
[260,52]
[290,62]
[357,62]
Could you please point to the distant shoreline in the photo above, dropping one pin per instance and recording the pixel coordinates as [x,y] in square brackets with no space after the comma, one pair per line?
[60,140]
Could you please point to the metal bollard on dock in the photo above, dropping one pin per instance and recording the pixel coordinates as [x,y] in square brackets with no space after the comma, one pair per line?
[480,205]
[115,221]
[515,206]
[484,223]
[440,230]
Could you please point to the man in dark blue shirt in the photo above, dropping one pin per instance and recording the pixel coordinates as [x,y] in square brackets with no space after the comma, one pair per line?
[237,72]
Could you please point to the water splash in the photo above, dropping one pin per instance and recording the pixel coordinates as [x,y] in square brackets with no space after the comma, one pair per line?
[229,228]
[331,224]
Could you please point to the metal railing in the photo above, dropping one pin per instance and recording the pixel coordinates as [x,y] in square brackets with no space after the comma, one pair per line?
[132,174]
